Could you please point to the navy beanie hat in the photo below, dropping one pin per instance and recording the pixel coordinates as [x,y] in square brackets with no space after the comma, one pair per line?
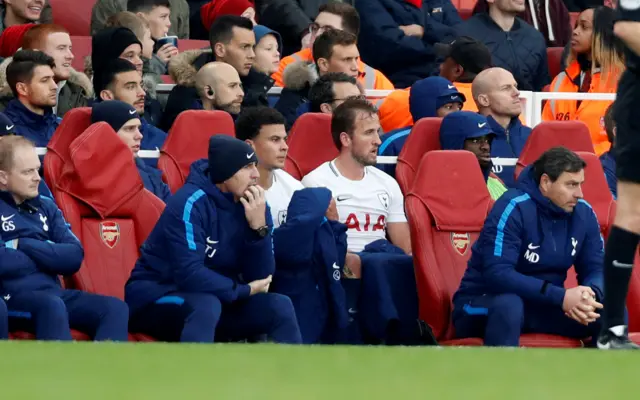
[228,155]
[6,126]
[114,112]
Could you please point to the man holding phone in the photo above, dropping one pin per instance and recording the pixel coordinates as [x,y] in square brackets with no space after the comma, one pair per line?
[205,269]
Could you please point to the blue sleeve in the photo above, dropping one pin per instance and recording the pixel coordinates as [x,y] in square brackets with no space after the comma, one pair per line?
[500,245]
[258,260]
[186,244]
[442,30]
[589,263]
[450,12]
[62,254]
[391,42]
[14,263]
[542,77]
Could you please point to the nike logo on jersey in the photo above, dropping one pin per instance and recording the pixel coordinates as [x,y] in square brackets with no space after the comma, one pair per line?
[532,247]
[209,241]
[250,155]
[7,297]
[132,112]
[335,266]
[5,219]
[482,125]
[451,86]
[344,197]
[8,127]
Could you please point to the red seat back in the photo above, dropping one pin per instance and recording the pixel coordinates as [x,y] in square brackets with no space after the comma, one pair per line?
[424,137]
[554,60]
[596,192]
[188,141]
[73,14]
[81,49]
[108,208]
[192,44]
[573,135]
[73,124]
[573,18]
[446,209]
[310,144]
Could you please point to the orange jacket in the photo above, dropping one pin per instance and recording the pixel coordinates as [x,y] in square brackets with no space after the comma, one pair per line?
[393,110]
[465,89]
[591,112]
[372,79]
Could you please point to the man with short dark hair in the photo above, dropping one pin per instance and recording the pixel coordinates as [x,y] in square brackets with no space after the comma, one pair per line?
[608,159]
[30,76]
[515,278]
[331,90]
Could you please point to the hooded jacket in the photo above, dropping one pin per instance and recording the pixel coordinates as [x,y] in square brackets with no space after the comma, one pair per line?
[508,143]
[152,139]
[310,252]
[522,50]
[528,244]
[152,180]
[46,246]
[35,127]
[294,99]
[202,243]
[424,97]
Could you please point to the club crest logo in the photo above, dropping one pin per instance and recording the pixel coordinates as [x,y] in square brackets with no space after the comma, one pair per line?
[384,199]
[110,233]
[282,217]
[460,242]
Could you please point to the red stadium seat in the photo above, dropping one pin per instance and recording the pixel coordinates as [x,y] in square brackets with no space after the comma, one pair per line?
[573,135]
[424,137]
[108,209]
[73,124]
[464,4]
[73,14]
[596,192]
[446,209]
[573,17]
[188,141]
[554,60]
[192,44]
[310,144]
[465,13]
[81,49]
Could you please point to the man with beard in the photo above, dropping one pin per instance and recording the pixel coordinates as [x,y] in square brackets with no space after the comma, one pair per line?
[32,81]
[466,130]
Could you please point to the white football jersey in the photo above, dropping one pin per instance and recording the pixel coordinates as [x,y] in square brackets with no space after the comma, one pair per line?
[279,195]
[365,206]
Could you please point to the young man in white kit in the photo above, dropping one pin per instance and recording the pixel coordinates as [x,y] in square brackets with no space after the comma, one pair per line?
[263,129]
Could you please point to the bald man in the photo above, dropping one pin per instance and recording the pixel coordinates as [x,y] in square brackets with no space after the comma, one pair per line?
[496,94]
[217,87]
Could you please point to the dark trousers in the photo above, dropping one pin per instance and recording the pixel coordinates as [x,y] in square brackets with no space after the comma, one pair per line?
[52,314]
[201,317]
[4,321]
[501,319]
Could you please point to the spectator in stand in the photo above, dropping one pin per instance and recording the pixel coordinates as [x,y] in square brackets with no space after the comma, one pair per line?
[218,87]
[429,97]
[120,80]
[32,81]
[74,88]
[496,94]
[393,110]
[104,9]
[292,19]
[466,130]
[331,90]
[579,6]
[515,278]
[125,121]
[514,45]
[550,17]
[202,17]
[395,40]
[440,19]
[335,17]
[263,129]
[594,65]
[232,41]
[157,13]
[22,12]
[214,243]
[608,159]
[38,246]
[268,45]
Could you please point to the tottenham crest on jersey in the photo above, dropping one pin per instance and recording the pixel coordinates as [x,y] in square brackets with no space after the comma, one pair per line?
[384,199]
[460,242]
[110,233]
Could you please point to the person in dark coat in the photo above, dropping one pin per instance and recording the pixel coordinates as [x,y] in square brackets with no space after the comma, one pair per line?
[514,45]
[440,19]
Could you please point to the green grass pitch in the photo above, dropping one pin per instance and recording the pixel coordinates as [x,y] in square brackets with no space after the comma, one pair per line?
[92,371]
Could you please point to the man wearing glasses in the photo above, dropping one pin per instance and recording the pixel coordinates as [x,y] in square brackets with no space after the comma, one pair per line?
[331,90]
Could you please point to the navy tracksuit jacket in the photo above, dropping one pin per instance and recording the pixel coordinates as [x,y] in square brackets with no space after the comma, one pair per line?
[508,143]
[310,252]
[29,280]
[202,247]
[152,139]
[37,128]
[519,263]
[152,180]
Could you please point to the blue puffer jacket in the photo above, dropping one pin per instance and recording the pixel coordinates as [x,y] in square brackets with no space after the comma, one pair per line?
[152,180]
[310,252]
[508,143]
[522,50]
[440,17]
[35,127]
[384,46]
[202,243]
[528,244]
[152,139]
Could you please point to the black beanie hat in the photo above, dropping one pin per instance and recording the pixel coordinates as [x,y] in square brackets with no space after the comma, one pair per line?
[228,155]
[6,126]
[114,112]
[108,44]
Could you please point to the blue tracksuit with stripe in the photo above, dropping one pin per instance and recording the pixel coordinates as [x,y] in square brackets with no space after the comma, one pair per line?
[195,267]
[515,276]
[37,245]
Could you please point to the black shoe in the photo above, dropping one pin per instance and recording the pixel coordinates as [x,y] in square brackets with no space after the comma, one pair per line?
[610,341]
